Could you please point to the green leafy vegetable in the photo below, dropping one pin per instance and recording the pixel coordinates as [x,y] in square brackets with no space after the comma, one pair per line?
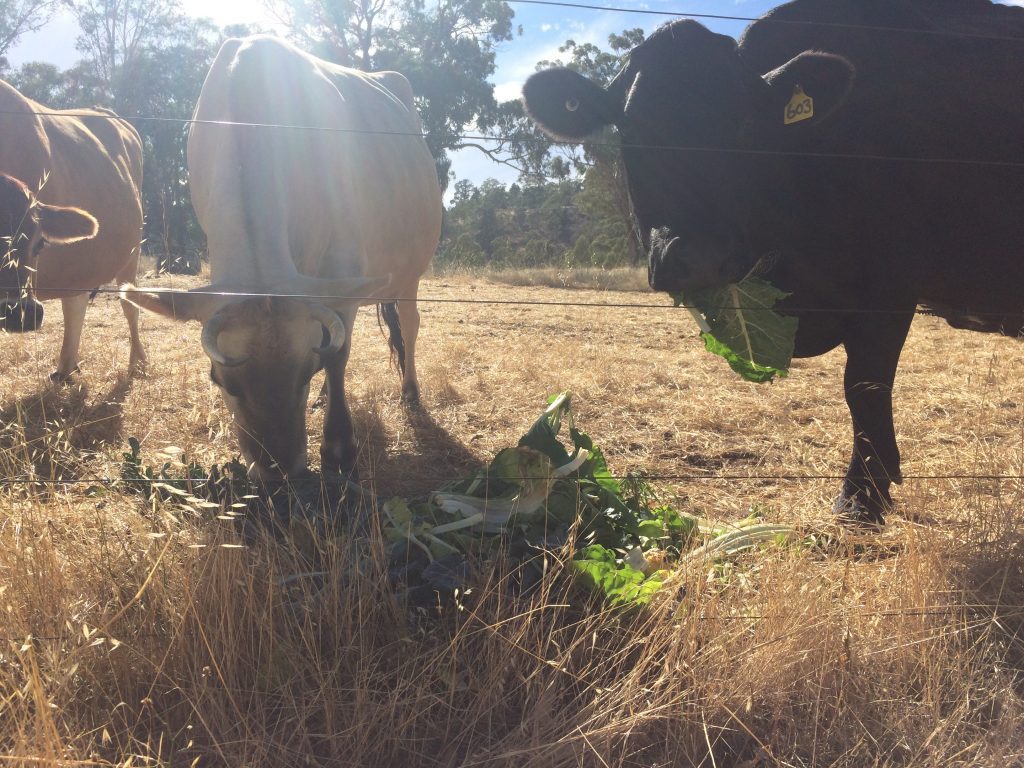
[541,494]
[532,499]
[616,579]
[738,323]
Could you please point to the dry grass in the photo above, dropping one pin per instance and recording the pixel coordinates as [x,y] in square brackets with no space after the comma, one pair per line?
[632,279]
[132,637]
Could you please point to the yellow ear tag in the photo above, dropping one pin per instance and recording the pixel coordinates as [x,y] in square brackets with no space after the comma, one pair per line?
[800,107]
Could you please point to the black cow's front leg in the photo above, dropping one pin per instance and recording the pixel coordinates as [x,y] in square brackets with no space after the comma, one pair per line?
[873,349]
[338,450]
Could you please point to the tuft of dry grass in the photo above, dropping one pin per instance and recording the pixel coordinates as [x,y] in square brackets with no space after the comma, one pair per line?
[142,633]
[619,279]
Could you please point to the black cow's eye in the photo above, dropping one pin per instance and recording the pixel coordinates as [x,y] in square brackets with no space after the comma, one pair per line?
[572,104]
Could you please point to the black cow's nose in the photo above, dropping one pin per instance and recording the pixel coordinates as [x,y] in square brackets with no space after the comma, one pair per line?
[684,265]
[21,316]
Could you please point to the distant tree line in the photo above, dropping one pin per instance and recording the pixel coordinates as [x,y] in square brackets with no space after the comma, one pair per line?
[147,59]
[570,222]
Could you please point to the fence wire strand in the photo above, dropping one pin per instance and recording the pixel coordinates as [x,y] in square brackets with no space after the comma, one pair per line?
[618,478]
[867,157]
[769,20]
[157,289]
[999,609]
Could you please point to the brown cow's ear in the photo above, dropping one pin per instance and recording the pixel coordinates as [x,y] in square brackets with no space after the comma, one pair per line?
[61,225]
[567,105]
[809,88]
[199,304]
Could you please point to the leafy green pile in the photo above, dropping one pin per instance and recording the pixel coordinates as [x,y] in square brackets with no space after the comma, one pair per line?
[530,503]
[739,323]
[540,495]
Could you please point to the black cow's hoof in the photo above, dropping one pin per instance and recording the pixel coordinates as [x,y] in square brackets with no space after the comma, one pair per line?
[858,512]
[343,472]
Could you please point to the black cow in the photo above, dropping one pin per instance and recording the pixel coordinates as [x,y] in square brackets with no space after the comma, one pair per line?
[901,183]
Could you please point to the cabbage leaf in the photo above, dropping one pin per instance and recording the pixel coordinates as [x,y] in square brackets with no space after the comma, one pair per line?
[738,323]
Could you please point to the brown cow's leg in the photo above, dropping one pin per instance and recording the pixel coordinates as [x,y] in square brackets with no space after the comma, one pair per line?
[138,359]
[74,319]
[409,319]
[338,450]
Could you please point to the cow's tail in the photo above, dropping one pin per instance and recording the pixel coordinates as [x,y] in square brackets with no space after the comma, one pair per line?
[387,314]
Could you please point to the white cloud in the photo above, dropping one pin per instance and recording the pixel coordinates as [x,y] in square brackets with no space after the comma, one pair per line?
[518,59]
[508,90]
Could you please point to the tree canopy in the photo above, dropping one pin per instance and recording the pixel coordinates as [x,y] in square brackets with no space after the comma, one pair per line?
[19,17]
[446,50]
[147,59]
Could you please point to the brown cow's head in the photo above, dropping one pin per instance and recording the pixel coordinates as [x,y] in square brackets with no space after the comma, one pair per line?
[263,352]
[26,225]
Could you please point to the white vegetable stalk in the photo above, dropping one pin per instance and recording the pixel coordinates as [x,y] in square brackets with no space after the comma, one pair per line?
[736,541]
[636,560]
[494,514]
[701,322]
[567,469]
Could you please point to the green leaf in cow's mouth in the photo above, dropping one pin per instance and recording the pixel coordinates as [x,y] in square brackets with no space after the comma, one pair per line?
[738,322]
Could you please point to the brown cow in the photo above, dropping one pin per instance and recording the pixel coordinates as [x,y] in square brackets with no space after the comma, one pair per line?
[83,158]
[328,216]
[26,225]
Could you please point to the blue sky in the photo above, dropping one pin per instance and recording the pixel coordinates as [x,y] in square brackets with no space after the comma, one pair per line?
[545,28]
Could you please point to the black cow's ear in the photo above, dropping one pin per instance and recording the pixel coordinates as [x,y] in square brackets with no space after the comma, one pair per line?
[809,87]
[567,105]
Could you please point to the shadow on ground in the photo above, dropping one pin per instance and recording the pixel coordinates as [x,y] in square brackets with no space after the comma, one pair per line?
[434,458]
[50,433]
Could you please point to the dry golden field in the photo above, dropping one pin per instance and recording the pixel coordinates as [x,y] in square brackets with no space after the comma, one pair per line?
[130,635]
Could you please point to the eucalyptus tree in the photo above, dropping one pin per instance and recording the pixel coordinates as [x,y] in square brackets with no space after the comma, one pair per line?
[147,60]
[446,49]
[19,17]
[604,197]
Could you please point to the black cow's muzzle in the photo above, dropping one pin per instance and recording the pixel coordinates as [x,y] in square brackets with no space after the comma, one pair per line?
[691,264]
[22,315]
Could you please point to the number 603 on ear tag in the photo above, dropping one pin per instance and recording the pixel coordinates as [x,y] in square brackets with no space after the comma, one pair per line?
[800,107]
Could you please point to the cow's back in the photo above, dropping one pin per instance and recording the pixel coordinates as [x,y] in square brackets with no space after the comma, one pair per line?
[24,146]
[330,168]
[87,158]
[940,84]
[935,78]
